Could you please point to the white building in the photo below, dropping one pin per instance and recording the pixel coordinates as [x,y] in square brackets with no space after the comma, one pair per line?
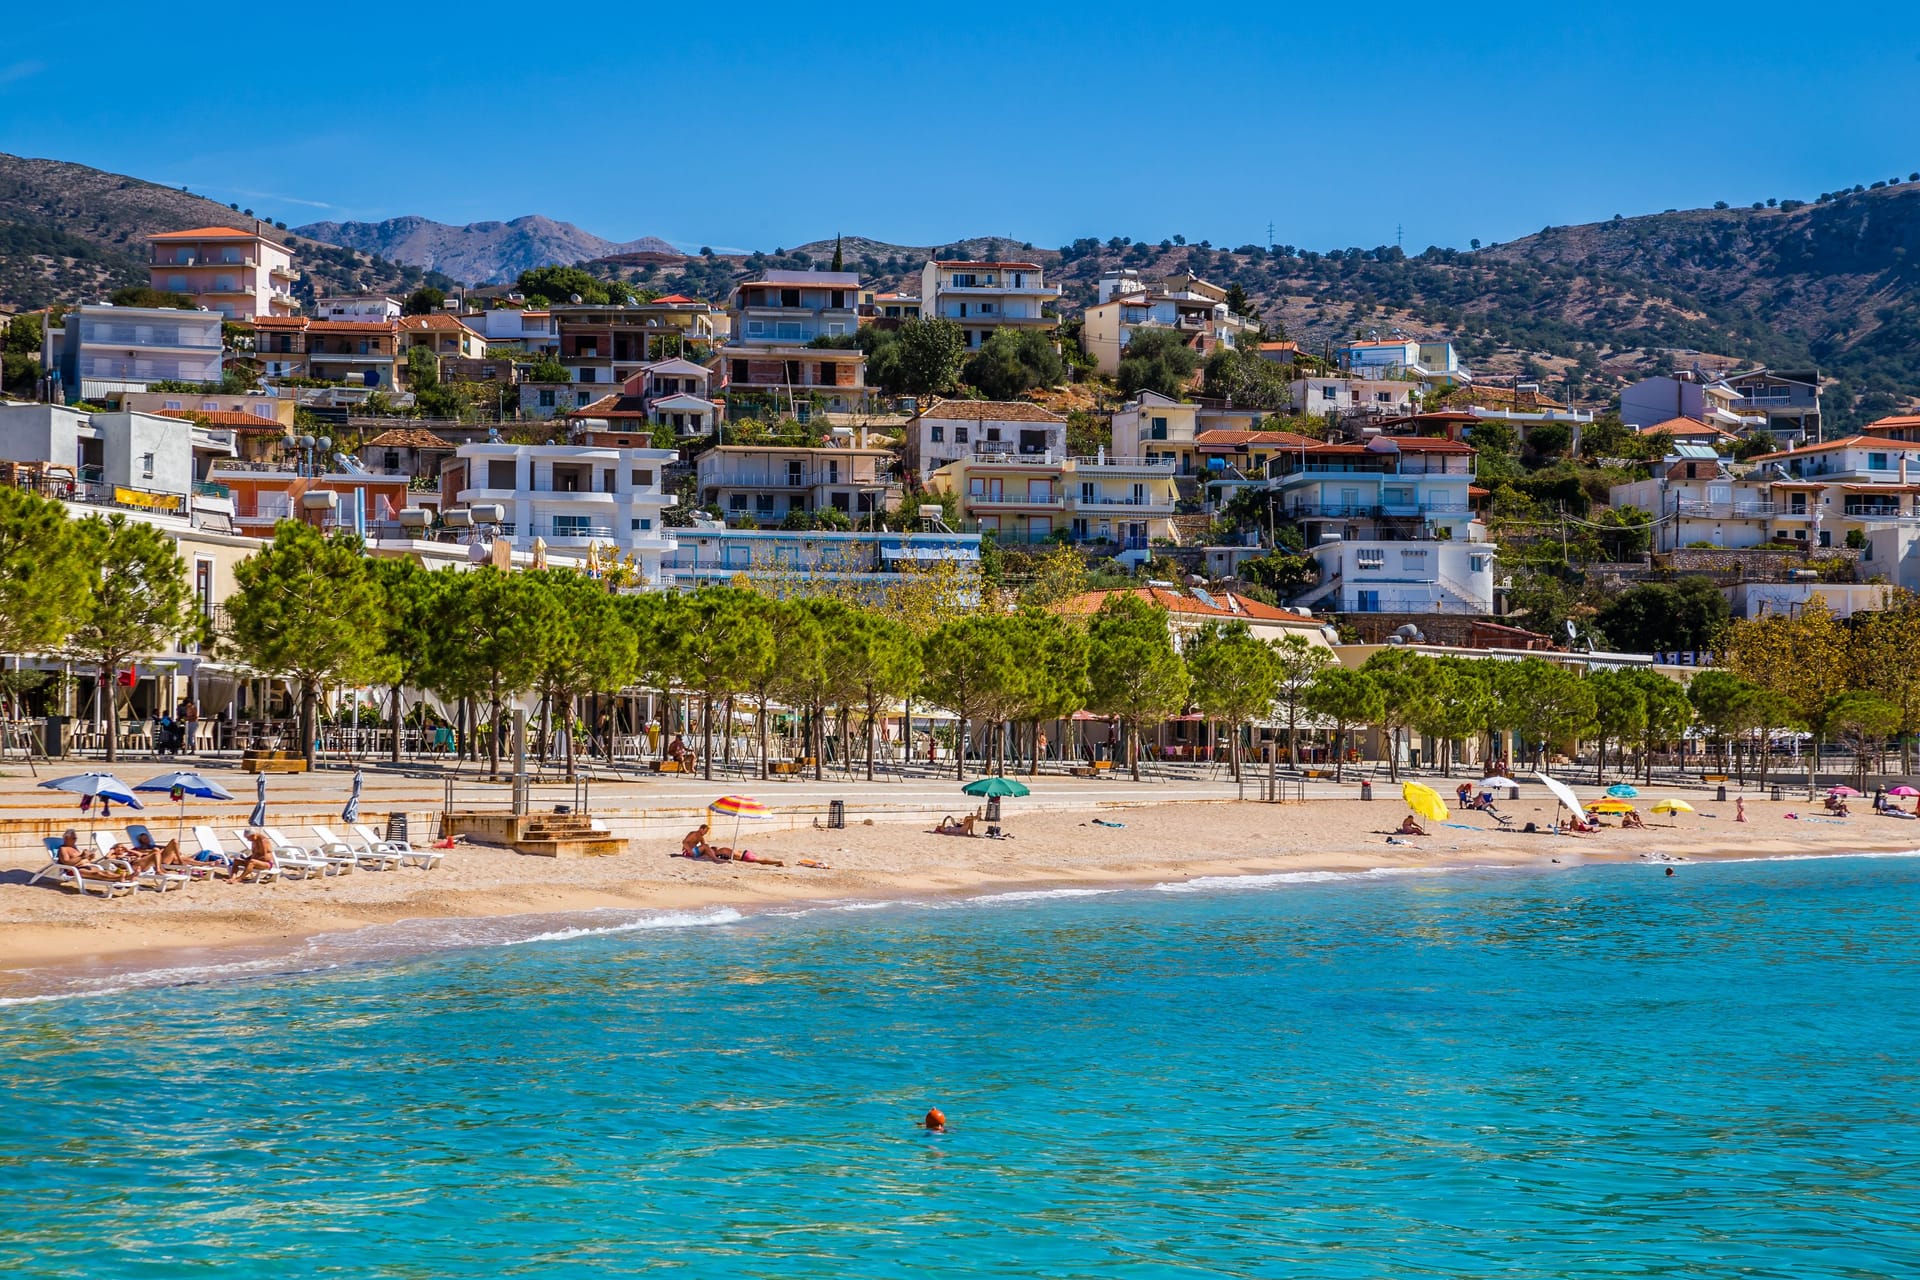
[102,350]
[357,306]
[534,332]
[764,484]
[949,430]
[983,296]
[1430,361]
[1194,309]
[714,553]
[569,496]
[1350,396]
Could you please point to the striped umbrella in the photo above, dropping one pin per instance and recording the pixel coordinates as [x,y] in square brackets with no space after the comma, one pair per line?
[740,807]
[351,813]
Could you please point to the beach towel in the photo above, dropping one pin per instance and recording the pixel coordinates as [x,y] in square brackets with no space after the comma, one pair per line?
[1102,822]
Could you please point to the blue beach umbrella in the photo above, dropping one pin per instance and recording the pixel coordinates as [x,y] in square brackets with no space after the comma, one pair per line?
[351,813]
[258,818]
[1621,791]
[181,784]
[103,785]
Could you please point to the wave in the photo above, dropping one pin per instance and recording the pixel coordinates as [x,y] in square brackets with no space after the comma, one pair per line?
[666,920]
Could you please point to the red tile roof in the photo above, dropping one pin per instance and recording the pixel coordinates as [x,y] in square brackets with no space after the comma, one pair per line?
[674,297]
[438,323]
[207,233]
[1850,442]
[226,418]
[1898,420]
[1192,606]
[409,438]
[1686,427]
[968,262]
[1222,438]
[989,411]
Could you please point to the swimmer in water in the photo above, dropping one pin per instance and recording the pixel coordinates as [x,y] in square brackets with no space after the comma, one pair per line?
[936,1121]
[1669,870]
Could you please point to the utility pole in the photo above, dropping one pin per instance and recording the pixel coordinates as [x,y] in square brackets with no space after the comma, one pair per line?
[1269,235]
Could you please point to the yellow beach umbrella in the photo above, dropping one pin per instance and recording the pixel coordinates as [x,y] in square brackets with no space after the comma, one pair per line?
[1609,806]
[1424,801]
[1672,806]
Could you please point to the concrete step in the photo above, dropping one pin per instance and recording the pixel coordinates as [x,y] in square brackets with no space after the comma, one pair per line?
[599,846]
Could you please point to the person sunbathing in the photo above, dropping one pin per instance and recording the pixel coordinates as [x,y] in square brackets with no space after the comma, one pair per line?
[694,843]
[1408,827]
[145,855]
[1632,822]
[748,855]
[1837,805]
[951,826]
[70,854]
[257,858]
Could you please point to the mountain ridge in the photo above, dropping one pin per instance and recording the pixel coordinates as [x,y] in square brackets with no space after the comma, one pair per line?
[489,252]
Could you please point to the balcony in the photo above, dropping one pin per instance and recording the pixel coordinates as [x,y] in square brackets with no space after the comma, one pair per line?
[1003,501]
[1731,510]
[1128,466]
[1126,506]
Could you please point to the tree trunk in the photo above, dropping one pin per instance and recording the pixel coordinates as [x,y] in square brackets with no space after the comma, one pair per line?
[960,747]
[1393,754]
[1133,748]
[761,729]
[1339,753]
[1233,752]
[706,737]
[819,741]
[873,719]
[395,720]
[108,685]
[1813,765]
[1600,765]
[566,731]
[726,735]
[493,736]
[307,693]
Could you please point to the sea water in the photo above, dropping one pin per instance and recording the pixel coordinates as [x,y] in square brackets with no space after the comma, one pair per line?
[1603,1071]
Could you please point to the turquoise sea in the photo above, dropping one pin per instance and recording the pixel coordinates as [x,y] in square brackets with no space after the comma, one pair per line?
[1599,1071]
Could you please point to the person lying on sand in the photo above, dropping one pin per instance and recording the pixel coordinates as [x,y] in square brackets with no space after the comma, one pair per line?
[951,826]
[1408,827]
[748,855]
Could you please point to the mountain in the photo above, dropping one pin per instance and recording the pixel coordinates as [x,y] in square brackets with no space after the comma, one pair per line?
[69,233]
[480,252]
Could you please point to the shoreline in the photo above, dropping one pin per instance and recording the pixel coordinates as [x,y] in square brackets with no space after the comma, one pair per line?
[55,938]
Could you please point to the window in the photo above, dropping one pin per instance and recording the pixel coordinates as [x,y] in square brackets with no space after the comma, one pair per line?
[1876,462]
[936,434]
[261,410]
[211,406]
[838,298]
[960,435]
[1329,393]
[171,404]
[642,524]
[392,460]
[146,465]
[1382,397]
[738,502]
[581,399]
[993,435]
[756,328]
[572,526]
[1413,559]
[1370,558]
[502,475]
[763,502]
[546,398]
[1368,602]
[1086,491]
[1159,429]
[642,479]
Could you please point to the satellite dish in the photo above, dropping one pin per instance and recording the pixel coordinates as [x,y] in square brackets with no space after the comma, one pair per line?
[1573,632]
[371,377]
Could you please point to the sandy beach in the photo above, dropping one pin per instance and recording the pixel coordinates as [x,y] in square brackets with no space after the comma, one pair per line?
[1050,848]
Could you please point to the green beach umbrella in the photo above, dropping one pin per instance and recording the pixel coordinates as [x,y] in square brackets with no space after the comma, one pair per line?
[996,787]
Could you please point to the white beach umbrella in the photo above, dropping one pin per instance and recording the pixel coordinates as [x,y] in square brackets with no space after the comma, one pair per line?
[1561,791]
[1494,782]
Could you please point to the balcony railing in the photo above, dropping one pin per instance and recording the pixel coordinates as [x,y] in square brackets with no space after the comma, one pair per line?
[1162,466]
[1731,510]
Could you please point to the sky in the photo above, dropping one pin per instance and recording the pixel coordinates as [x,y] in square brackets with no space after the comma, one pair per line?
[759,126]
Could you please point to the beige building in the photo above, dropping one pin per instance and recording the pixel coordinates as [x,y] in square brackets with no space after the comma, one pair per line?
[764,484]
[1125,503]
[238,274]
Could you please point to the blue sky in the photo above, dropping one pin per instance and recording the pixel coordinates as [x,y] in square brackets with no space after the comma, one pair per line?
[763,126]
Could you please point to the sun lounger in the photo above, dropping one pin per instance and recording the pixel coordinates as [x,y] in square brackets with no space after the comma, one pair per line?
[157,878]
[209,841]
[428,858]
[341,860]
[76,877]
[371,858]
[290,860]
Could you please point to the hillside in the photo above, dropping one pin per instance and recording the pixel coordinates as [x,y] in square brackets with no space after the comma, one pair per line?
[68,232]
[480,252]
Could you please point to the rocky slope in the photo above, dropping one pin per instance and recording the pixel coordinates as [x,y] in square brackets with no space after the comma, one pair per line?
[480,252]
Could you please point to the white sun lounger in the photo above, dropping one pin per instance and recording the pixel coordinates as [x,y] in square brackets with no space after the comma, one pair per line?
[74,876]
[209,841]
[371,857]
[337,863]
[428,858]
[158,879]
[289,861]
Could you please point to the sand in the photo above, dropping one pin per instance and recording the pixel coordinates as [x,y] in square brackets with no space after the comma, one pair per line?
[53,926]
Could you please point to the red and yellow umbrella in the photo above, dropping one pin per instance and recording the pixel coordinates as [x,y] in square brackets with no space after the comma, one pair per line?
[739,807]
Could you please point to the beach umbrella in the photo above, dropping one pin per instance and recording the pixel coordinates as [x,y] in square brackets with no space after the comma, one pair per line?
[1494,782]
[1671,806]
[1424,801]
[1622,791]
[1561,792]
[258,818]
[1609,806]
[351,813]
[104,785]
[183,783]
[996,787]
[1832,791]
[740,807]
[1903,790]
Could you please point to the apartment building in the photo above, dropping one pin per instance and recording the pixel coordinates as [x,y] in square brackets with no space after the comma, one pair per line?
[983,296]
[769,360]
[101,351]
[535,332]
[1690,394]
[448,338]
[601,346]
[764,484]
[1432,361]
[710,552]
[357,306]
[666,393]
[236,274]
[363,353]
[1344,397]
[1788,400]
[949,430]
[1195,309]
[132,461]
[567,496]
[1390,523]
[1154,426]
[1127,503]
